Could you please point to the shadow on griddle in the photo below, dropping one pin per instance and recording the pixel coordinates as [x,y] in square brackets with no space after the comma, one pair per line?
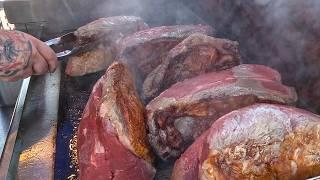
[164,169]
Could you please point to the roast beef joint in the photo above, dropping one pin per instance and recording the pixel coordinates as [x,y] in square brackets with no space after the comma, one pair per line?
[104,34]
[262,141]
[112,135]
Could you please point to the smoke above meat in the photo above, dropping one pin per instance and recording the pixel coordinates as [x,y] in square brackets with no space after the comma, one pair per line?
[293,27]
[281,34]
[294,24]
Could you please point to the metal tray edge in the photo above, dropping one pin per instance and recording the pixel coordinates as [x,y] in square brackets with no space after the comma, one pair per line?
[30,148]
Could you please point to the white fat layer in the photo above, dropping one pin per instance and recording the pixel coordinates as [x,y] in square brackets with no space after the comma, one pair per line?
[261,124]
[98,147]
[249,71]
[93,160]
[109,109]
[294,168]
[185,126]
[239,88]
[85,131]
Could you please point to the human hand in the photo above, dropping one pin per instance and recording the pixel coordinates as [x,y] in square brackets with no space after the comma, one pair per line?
[22,55]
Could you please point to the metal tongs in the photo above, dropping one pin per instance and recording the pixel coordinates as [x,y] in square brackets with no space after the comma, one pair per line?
[67,45]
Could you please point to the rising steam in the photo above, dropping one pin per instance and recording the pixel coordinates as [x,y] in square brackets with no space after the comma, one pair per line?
[283,34]
[293,30]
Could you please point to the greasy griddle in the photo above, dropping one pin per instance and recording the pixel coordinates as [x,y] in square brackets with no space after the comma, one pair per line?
[74,94]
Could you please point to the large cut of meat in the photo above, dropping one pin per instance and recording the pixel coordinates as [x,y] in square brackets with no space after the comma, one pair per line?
[181,113]
[197,54]
[145,50]
[112,139]
[262,141]
[109,28]
[97,59]
[104,35]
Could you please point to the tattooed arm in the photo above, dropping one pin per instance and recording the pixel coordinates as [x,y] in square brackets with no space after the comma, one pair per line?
[22,55]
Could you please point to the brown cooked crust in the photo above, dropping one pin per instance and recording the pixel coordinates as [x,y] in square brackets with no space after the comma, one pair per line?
[250,160]
[262,141]
[97,59]
[101,37]
[129,109]
[145,50]
[196,55]
[290,150]
[113,27]
[181,113]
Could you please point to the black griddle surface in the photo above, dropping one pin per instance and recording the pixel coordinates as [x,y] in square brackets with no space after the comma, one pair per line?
[74,94]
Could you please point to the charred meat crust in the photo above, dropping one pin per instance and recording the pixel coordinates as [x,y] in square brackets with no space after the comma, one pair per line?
[288,151]
[145,50]
[97,59]
[109,28]
[193,119]
[196,55]
[267,142]
[182,112]
[121,90]
[101,38]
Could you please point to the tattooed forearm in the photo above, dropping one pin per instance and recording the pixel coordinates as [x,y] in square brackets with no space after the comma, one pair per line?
[15,53]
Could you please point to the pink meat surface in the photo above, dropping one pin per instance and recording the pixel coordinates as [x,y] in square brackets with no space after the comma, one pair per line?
[181,113]
[146,49]
[197,54]
[261,141]
[101,153]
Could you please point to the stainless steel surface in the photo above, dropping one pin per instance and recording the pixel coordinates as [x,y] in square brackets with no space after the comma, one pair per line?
[35,146]
[64,54]
[9,92]
[67,38]
[75,50]
[13,130]
[24,9]
[53,41]
[5,118]
[66,45]
[314,178]
[30,148]
[63,45]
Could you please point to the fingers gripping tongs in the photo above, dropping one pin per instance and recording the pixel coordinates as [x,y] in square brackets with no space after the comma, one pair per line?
[67,45]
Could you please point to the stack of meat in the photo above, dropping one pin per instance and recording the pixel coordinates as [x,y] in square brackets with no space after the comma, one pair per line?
[103,34]
[180,94]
